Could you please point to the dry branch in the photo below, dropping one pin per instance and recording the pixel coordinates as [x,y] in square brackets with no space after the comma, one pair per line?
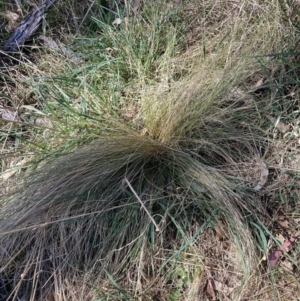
[27,28]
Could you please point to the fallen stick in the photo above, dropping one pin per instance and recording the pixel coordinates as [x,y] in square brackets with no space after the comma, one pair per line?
[27,27]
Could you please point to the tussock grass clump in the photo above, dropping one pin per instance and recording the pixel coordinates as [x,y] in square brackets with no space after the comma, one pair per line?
[161,199]
[79,209]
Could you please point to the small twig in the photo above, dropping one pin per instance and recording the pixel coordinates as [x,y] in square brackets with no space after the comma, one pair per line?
[142,204]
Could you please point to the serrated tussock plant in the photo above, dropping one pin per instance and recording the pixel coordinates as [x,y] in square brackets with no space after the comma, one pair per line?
[77,212]
[174,168]
[79,209]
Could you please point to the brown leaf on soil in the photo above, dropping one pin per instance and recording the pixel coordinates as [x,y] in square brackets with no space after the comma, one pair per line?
[281,219]
[263,176]
[281,126]
[258,84]
[210,290]
[223,288]
[284,224]
[220,233]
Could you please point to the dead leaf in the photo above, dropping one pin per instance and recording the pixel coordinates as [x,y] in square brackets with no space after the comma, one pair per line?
[127,116]
[258,84]
[281,238]
[12,20]
[117,21]
[284,223]
[263,176]
[210,289]
[281,126]
[14,168]
[274,70]
[144,132]
[286,265]
[297,221]
[9,114]
[223,288]
[220,233]
[44,122]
